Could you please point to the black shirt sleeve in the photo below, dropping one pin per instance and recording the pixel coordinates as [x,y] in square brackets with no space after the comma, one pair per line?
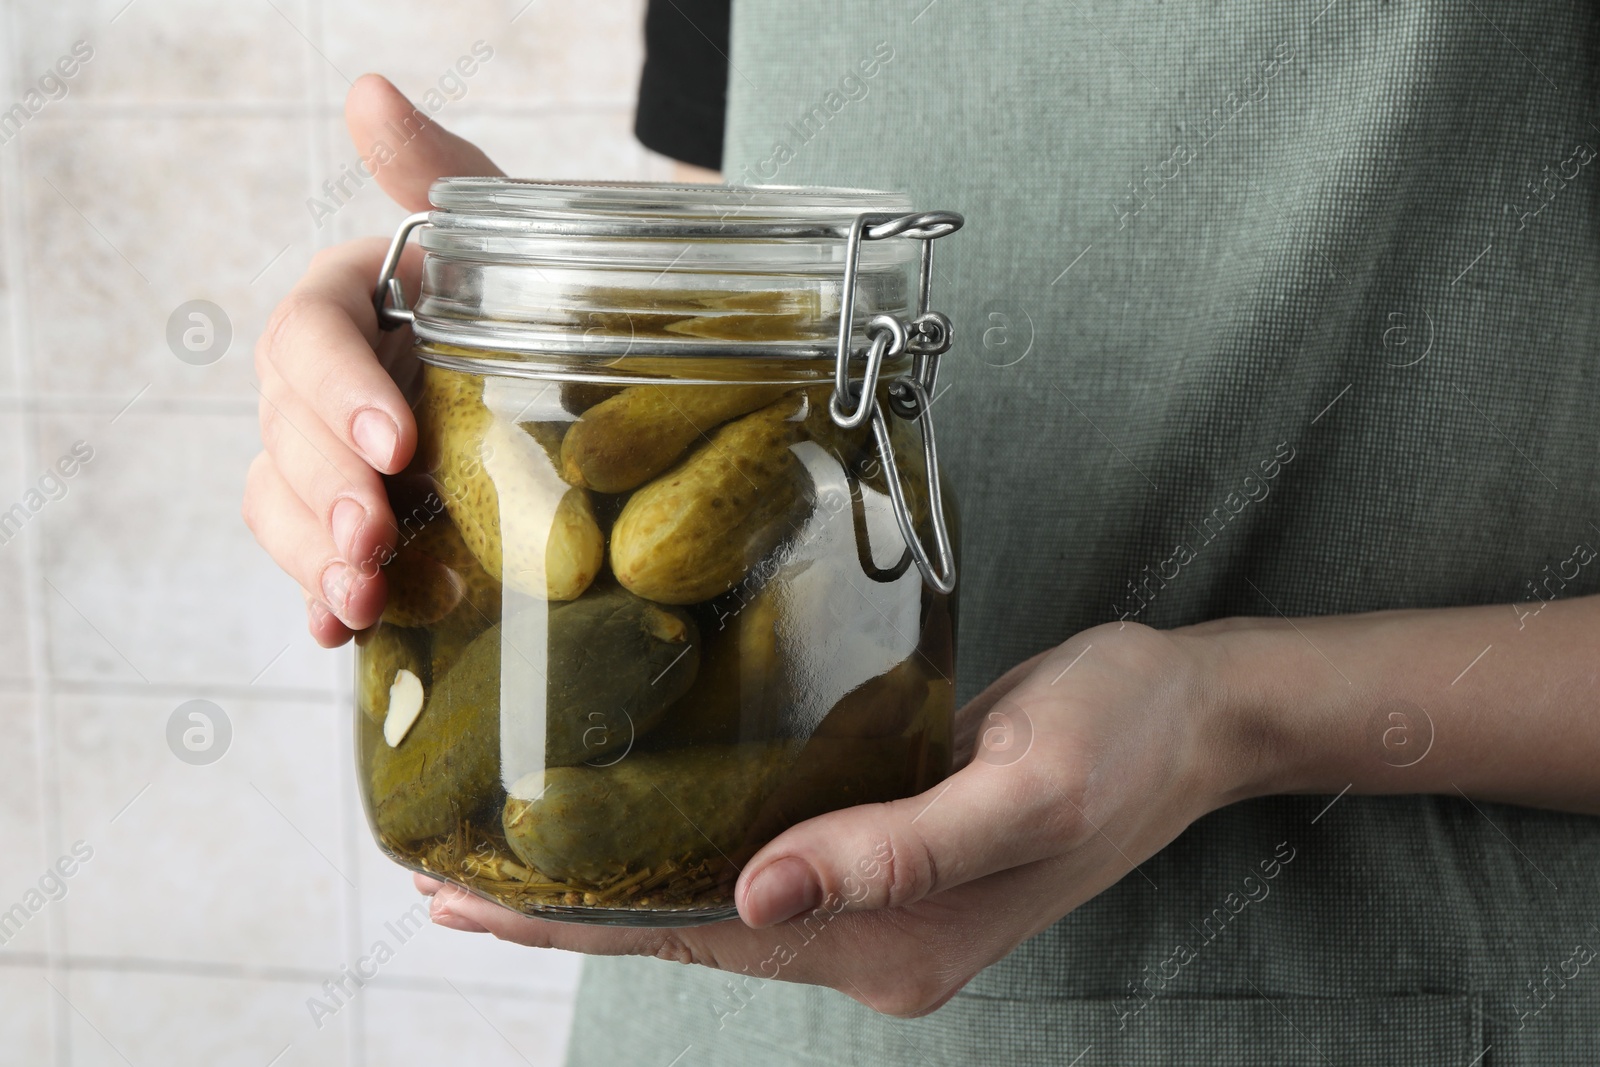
[684,86]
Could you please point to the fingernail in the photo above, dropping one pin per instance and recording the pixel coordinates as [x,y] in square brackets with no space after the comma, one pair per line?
[345,522]
[780,891]
[336,581]
[376,435]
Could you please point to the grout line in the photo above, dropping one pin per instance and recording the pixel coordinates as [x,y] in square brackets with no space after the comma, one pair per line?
[180,689]
[104,403]
[76,109]
[244,972]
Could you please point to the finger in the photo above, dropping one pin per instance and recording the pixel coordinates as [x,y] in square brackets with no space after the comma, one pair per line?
[405,149]
[453,902]
[440,912]
[324,625]
[907,964]
[345,494]
[320,340]
[982,819]
[301,545]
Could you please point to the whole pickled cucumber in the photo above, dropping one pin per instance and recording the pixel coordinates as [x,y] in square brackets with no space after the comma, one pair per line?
[624,441]
[613,665]
[594,824]
[879,707]
[525,525]
[453,634]
[448,765]
[384,650]
[616,664]
[438,538]
[736,696]
[830,773]
[549,436]
[696,530]
[421,590]
[434,575]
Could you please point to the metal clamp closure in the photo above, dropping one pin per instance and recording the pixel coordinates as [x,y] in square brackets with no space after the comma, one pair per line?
[389,299]
[927,336]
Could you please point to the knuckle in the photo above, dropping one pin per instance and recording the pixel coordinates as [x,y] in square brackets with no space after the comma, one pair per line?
[674,949]
[323,259]
[271,426]
[252,492]
[910,869]
[290,313]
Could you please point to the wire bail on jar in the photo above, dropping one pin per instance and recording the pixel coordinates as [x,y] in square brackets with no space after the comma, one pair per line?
[389,300]
[927,337]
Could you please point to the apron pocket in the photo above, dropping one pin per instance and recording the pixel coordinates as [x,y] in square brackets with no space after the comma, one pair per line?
[1241,1032]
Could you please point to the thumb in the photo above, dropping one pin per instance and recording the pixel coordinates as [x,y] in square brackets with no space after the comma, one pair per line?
[984,818]
[404,148]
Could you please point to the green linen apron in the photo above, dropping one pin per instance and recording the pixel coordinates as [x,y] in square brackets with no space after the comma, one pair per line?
[1261,307]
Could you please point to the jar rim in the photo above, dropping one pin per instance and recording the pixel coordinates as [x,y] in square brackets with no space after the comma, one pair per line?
[626,208]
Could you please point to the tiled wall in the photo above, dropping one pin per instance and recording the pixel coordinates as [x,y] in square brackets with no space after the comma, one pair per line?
[217,898]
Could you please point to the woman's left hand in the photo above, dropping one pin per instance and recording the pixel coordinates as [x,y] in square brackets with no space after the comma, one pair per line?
[1087,759]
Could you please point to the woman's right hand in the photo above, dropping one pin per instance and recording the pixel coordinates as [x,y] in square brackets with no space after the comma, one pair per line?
[333,420]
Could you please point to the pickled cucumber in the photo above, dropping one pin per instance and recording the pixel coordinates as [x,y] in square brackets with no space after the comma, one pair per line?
[386,649]
[434,576]
[592,824]
[735,694]
[438,538]
[879,707]
[696,530]
[448,765]
[624,441]
[830,773]
[421,590]
[525,525]
[616,664]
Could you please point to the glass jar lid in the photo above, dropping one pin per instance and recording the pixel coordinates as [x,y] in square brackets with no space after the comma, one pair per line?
[525,269]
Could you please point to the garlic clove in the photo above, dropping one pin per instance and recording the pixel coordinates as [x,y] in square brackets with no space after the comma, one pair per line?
[405,704]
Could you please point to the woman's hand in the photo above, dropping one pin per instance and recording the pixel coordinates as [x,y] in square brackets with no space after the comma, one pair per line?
[1087,759]
[332,417]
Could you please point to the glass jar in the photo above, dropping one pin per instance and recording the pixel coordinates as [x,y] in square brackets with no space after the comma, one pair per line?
[672,571]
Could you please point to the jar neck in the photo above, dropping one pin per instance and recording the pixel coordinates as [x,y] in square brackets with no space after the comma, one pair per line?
[682,272]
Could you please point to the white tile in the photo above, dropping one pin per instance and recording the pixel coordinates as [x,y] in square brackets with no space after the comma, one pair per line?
[15,484]
[31,891]
[159,50]
[588,144]
[435,952]
[485,1030]
[546,51]
[28,1006]
[123,1018]
[153,575]
[236,862]
[130,216]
